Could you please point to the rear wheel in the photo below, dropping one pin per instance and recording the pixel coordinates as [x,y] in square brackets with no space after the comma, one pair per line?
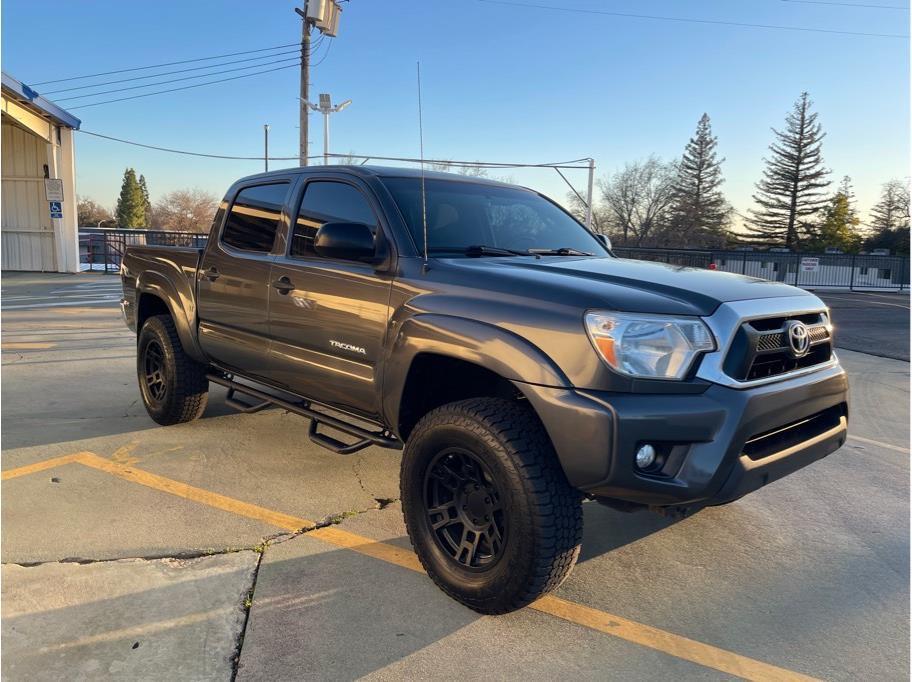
[488,509]
[173,385]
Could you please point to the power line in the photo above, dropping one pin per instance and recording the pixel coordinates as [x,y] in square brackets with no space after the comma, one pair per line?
[847,4]
[572,164]
[325,55]
[168,73]
[715,22]
[584,162]
[155,66]
[186,87]
[186,153]
[176,80]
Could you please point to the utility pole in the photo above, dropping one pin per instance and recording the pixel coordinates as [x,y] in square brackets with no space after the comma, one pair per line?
[589,193]
[266,146]
[305,85]
[324,15]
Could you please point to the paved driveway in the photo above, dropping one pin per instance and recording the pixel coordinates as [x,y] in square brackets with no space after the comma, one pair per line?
[234,546]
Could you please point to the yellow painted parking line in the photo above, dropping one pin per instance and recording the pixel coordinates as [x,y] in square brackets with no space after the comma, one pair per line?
[383,551]
[40,466]
[871,441]
[637,633]
[667,642]
[189,492]
[26,345]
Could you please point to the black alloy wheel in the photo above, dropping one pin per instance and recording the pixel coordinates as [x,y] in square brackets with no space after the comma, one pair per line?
[487,507]
[173,385]
[464,509]
[154,367]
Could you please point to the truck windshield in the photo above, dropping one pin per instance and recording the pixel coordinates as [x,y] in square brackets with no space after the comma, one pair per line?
[463,216]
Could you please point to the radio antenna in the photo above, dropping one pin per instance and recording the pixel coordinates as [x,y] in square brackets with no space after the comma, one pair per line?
[421,150]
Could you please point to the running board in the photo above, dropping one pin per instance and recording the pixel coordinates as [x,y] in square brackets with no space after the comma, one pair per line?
[303,407]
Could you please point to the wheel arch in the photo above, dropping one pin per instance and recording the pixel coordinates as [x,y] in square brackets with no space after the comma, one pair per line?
[437,359]
[157,295]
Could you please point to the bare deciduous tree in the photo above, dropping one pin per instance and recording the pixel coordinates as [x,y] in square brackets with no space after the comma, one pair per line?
[89,213]
[577,208]
[638,200]
[185,210]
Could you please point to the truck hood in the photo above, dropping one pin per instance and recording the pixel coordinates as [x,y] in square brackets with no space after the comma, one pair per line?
[629,285]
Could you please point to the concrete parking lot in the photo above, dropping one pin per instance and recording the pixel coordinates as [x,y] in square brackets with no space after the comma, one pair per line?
[233,546]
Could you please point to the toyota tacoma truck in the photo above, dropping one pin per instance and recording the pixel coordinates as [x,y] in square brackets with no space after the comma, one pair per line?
[479,327]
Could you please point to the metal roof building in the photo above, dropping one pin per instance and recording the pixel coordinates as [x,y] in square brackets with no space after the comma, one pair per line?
[38,229]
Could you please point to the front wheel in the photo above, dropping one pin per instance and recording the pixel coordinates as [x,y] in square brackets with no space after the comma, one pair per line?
[487,507]
[173,385]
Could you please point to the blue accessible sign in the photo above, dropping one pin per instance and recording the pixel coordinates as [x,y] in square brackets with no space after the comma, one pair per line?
[56,209]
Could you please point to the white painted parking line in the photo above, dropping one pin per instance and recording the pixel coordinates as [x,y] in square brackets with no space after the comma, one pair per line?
[881,444]
[58,304]
[864,301]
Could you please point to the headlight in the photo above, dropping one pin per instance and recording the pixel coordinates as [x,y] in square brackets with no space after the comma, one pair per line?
[648,346]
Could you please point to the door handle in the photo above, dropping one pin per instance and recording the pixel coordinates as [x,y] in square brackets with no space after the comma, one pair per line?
[283,285]
[212,274]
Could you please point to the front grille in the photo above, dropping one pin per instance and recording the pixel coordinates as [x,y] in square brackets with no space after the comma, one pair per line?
[782,362]
[761,347]
[776,440]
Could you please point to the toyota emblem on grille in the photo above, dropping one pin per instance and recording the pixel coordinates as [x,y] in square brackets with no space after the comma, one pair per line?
[799,338]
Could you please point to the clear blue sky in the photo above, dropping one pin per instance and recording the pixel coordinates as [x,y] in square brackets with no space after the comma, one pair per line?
[499,83]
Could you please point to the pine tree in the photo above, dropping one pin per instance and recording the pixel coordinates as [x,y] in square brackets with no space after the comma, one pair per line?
[792,190]
[700,212]
[147,205]
[838,226]
[892,211]
[130,210]
[846,188]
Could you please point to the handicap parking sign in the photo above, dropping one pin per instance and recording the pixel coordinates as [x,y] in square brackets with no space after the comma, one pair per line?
[56,209]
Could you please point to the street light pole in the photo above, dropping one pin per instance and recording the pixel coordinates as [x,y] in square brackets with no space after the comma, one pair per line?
[325,138]
[266,146]
[326,108]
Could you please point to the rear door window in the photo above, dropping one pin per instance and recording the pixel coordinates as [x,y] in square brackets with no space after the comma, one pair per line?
[254,217]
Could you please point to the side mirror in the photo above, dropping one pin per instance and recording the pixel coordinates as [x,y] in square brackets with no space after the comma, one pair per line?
[603,238]
[345,241]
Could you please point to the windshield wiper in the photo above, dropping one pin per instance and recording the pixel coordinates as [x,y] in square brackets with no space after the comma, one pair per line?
[477,250]
[563,251]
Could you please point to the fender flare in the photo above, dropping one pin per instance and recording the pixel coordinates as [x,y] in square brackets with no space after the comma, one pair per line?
[181,305]
[480,343]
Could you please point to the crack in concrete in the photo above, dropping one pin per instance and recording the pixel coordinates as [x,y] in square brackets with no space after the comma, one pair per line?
[381,502]
[248,605]
[265,541]
[177,556]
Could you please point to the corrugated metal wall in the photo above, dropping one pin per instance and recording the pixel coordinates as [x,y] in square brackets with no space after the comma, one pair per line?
[26,228]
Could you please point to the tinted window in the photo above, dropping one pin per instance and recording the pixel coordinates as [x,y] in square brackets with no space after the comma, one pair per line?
[462,214]
[328,202]
[254,217]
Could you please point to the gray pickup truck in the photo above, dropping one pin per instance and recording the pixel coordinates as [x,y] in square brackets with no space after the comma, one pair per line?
[521,366]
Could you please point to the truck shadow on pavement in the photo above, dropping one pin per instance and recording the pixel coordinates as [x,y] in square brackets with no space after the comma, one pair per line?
[319,612]
[616,529]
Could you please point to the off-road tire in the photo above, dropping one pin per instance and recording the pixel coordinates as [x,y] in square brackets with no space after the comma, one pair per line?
[183,390]
[544,521]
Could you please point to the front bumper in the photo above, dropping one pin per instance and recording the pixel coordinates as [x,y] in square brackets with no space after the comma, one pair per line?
[727,442]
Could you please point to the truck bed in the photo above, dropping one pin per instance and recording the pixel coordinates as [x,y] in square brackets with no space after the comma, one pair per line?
[161,266]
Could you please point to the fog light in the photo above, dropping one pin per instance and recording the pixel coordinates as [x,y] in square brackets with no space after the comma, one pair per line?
[645,457]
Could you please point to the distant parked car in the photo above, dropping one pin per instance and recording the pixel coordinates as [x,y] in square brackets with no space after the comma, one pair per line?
[833,250]
[880,252]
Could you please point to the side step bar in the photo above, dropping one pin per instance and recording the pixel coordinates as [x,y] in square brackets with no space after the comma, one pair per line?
[303,407]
